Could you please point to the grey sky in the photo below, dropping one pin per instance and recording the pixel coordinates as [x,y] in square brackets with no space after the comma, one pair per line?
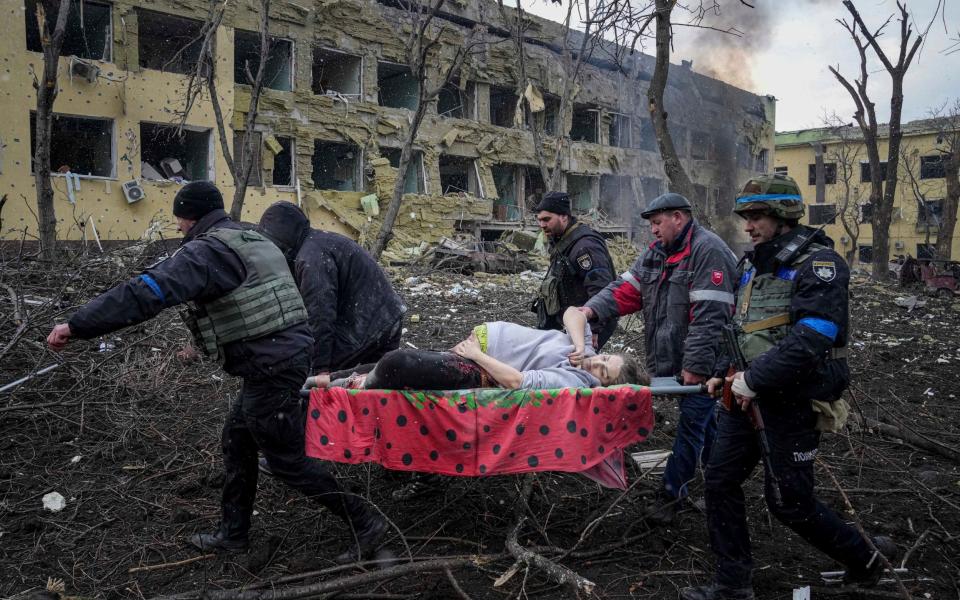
[788,45]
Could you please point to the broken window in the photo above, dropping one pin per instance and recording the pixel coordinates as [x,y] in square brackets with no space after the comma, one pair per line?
[929,214]
[865,254]
[653,187]
[701,145]
[414,182]
[455,102]
[584,127]
[781,170]
[336,72]
[88,33]
[167,153]
[168,43]
[398,87]
[78,145]
[760,161]
[533,186]
[619,132]
[550,115]
[932,167]
[866,212]
[865,171]
[503,106]
[506,207]
[278,68]
[744,157]
[580,188]
[239,149]
[821,214]
[336,167]
[829,173]
[679,136]
[648,136]
[458,174]
[616,197]
[283,160]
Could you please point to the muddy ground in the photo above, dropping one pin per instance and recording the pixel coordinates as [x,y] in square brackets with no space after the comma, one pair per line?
[129,436]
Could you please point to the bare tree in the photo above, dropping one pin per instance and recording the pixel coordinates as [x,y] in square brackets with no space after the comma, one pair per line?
[47,89]
[203,79]
[947,119]
[422,48]
[881,196]
[846,153]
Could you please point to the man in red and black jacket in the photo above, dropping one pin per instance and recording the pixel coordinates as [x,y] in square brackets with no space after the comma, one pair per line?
[683,283]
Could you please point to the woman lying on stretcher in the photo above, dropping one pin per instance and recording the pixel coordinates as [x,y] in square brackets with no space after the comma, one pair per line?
[499,354]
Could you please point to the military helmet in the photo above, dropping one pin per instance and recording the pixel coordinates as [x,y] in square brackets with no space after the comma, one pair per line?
[777,195]
[668,201]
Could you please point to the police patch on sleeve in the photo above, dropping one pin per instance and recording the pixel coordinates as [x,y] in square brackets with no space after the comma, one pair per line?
[825,269]
[585,262]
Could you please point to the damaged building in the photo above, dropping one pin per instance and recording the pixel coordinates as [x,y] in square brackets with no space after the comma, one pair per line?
[337,103]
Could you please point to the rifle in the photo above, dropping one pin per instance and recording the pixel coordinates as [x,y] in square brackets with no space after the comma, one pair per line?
[739,363]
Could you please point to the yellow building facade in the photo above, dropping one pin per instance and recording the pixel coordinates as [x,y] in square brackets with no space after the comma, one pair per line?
[921,186]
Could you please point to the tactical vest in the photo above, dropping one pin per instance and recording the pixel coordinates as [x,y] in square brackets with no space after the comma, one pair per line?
[267,301]
[763,304]
[560,287]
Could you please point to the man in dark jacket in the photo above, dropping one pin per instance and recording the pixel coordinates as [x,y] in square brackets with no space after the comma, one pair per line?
[243,308]
[683,283]
[354,314]
[580,266]
[792,325]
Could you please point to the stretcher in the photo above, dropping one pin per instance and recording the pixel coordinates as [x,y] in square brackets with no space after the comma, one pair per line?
[489,431]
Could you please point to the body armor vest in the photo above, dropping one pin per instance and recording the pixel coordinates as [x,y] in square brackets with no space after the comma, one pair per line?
[267,301]
[560,287]
[763,305]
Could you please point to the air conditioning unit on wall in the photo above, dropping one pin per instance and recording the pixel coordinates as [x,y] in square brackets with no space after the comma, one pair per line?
[898,245]
[133,192]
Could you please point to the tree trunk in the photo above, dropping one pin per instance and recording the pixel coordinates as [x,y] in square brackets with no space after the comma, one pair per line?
[881,228]
[948,219]
[679,181]
[46,96]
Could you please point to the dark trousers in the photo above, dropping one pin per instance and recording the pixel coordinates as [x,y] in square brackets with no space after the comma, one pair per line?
[419,370]
[267,416]
[793,441]
[388,340]
[696,430]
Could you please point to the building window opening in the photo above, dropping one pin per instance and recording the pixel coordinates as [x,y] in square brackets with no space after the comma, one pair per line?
[616,197]
[865,254]
[506,207]
[761,160]
[865,171]
[180,156]
[458,174]
[455,102]
[619,131]
[168,43]
[78,145]
[829,173]
[929,214]
[781,170]
[503,106]
[866,212]
[283,160]
[414,182]
[679,136]
[533,186]
[648,136]
[549,117]
[584,126]
[932,167]
[823,214]
[336,72]
[88,33]
[653,187]
[580,188]
[239,149]
[336,167]
[278,68]
[398,87]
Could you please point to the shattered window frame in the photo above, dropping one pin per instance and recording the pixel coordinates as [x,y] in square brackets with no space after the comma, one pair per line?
[289,144]
[474,185]
[621,123]
[822,214]
[397,70]
[416,163]
[65,119]
[622,199]
[468,100]
[505,114]
[866,212]
[583,129]
[501,206]
[253,55]
[926,220]
[188,131]
[865,171]
[576,192]
[186,47]
[358,184]
[316,65]
[78,25]
[761,159]
[932,167]
[829,173]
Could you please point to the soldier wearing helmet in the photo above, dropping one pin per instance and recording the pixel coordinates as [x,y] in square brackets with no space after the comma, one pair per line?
[791,318]
[683,283]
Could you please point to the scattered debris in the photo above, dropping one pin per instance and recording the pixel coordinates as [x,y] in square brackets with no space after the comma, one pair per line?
[54,502]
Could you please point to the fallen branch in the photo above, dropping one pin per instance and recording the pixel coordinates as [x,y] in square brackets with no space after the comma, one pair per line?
[911,438]
[170,565]
[554,571]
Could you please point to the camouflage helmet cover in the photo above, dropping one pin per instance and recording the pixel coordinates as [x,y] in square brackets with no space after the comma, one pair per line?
[777,195]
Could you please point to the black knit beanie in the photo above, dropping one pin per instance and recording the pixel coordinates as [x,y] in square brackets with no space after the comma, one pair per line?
[555,202]
[196,199]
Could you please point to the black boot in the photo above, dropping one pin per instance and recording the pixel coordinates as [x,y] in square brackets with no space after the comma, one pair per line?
[664,510]
[218,541]
[367,528]
[870,574]
[716,591]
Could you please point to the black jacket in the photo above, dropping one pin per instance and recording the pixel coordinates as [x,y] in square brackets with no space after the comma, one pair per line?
[202,270]
[798,368]
[350,302]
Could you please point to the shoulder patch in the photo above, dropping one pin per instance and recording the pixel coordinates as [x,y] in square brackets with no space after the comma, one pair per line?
[825,270]
[585,261]
[716,278]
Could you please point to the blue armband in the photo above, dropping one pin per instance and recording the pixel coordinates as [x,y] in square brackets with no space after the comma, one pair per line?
[153,285]
[822,326]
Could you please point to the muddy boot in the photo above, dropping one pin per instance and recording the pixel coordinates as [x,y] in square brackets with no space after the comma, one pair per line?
[716,591]
[870,575]
[664,510]
[367,528]
[218,542]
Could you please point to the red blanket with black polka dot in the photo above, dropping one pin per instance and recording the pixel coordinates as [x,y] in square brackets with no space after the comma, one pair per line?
[482,432]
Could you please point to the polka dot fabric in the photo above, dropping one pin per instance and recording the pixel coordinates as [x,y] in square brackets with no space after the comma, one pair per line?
[479,432]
